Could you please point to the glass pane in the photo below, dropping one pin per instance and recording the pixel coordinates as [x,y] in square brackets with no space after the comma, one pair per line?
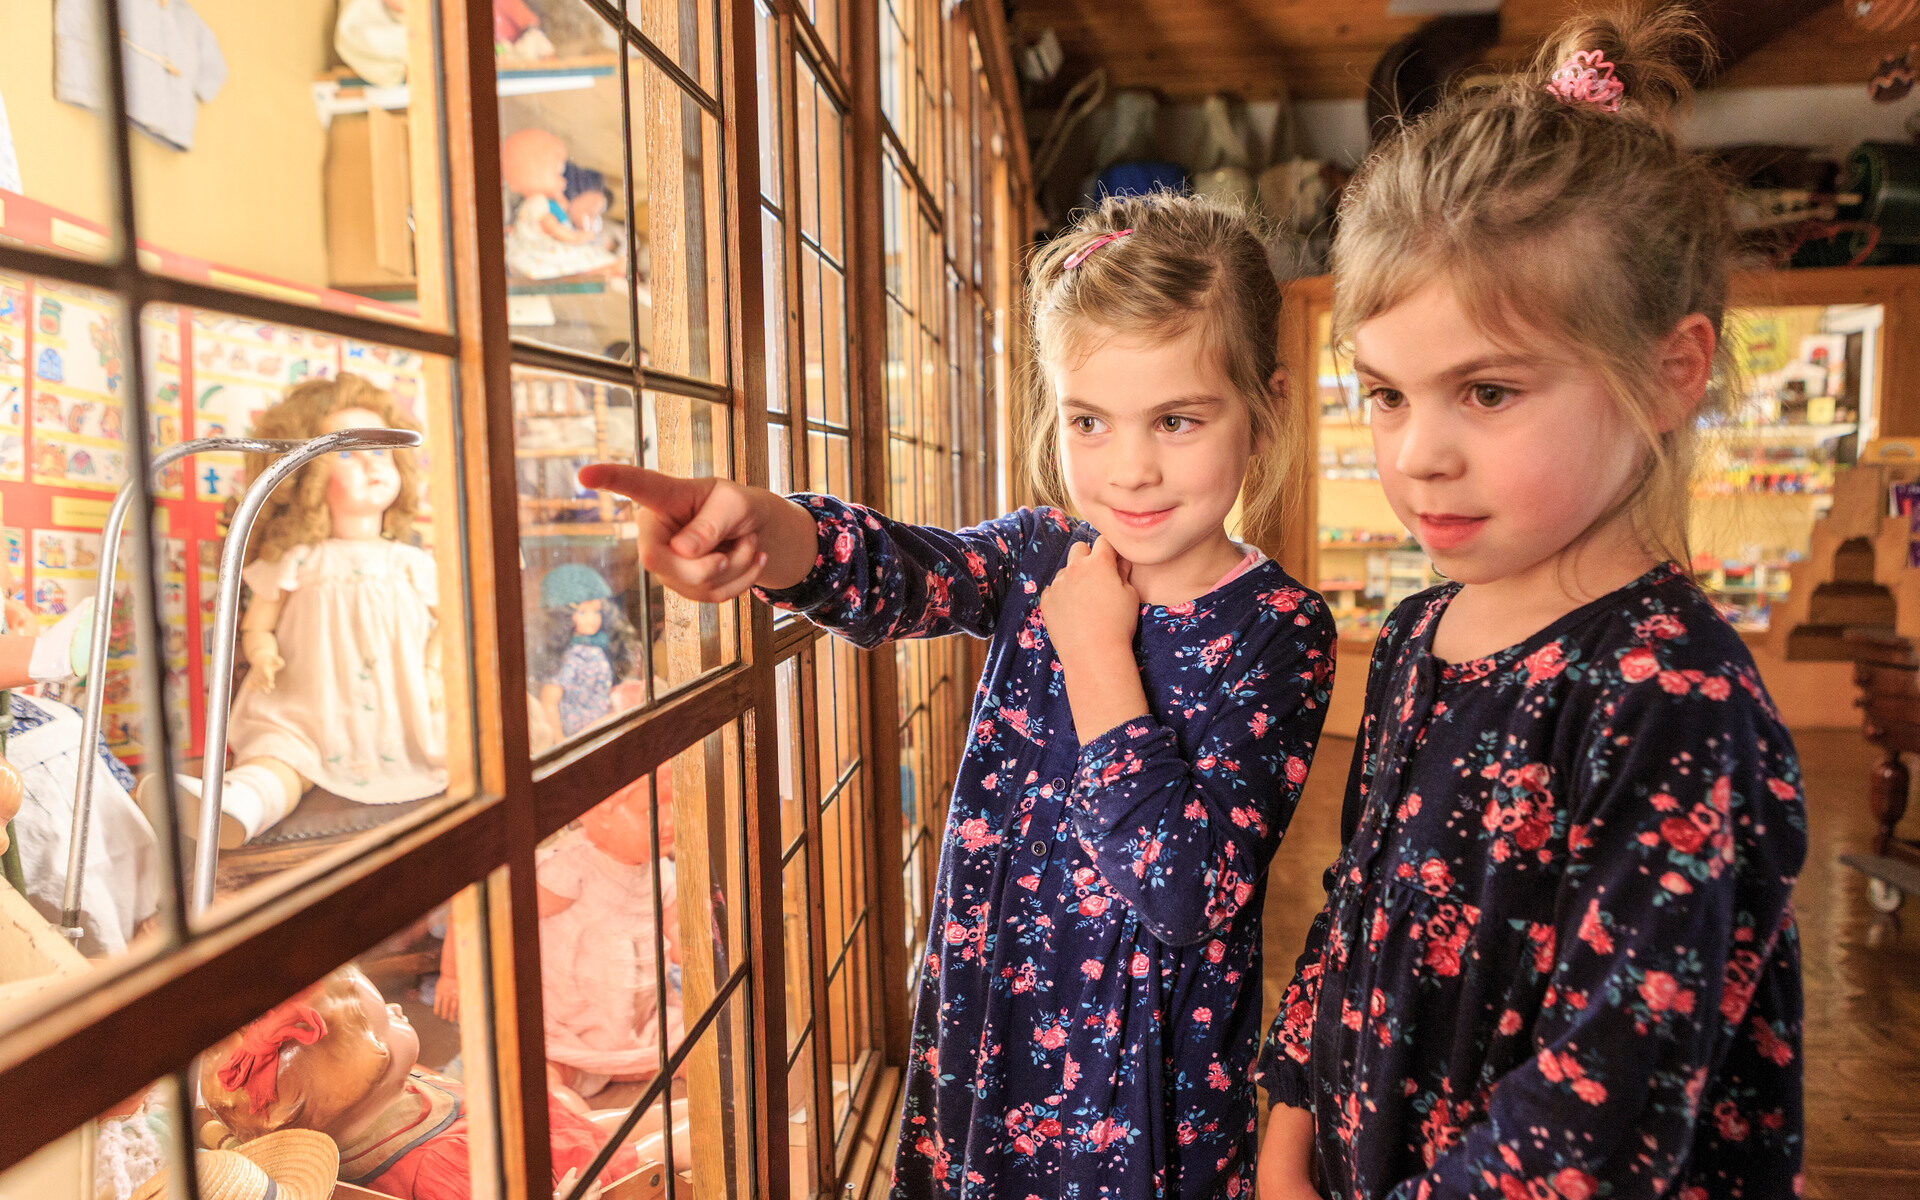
[563,160]
[682,436]
[767,59]
[56,176]
[115,1154]
[64,424]
[803,1161]
[338,728]
[825,15]
[718,1164]
[580,568]
[277,153]
[1813,382]
[774,310]
[702,788]
[795,925]
[779,464]
[827,142]
[677,198]
[392,1040]
[684,31]
[786,692]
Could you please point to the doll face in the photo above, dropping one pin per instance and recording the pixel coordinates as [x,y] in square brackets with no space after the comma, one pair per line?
[361,482]
[587,617]
[618,826]
[374,1048]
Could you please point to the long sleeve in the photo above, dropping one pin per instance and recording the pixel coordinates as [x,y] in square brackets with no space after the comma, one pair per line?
[876,579]
[1687,831]
[1282,1067]
[1183,838]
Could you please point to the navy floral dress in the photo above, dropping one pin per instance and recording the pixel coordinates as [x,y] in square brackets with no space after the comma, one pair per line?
[1090,1001]
[1557,957]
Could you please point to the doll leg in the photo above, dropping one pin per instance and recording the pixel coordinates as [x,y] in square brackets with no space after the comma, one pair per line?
[255,796]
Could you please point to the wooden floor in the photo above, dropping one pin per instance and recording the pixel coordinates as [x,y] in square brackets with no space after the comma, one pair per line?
[1862,969]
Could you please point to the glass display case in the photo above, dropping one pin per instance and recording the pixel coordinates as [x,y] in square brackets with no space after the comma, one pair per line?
[337,722]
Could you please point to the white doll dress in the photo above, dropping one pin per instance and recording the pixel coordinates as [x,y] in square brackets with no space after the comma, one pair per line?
[352,710]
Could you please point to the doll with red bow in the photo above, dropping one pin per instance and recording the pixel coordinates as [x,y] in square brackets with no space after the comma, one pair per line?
[338,1059]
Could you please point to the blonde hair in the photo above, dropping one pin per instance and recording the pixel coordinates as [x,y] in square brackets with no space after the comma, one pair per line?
[296,514]
[1591,227]
[1190,263]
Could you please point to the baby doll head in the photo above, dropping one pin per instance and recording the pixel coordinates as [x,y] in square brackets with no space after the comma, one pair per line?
[1565,217]
[578,605]
[332,1058]
[299,511]
[618,824]
[533,163]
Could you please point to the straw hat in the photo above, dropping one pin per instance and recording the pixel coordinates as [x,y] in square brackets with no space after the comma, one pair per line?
[287,1164]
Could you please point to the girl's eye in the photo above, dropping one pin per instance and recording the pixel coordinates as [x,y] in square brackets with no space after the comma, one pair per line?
[1082,423]
[1386,398]
[1173,424]
[1490,395]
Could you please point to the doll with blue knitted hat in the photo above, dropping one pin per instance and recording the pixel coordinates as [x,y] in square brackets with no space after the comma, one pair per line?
[583,647]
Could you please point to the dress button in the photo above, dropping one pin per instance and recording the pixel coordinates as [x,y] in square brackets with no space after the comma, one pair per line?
[1039,849]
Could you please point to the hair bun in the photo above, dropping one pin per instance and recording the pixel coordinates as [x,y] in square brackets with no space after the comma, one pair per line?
[1655,55]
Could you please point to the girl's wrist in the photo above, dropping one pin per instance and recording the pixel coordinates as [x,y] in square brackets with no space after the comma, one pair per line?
[788,537]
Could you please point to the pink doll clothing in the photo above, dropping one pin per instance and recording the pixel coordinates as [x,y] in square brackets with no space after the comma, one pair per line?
[599,961]
[352,710]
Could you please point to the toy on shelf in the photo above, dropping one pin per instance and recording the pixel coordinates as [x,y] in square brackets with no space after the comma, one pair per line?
[599,967]
[343,689]
[584,651]
[338,1059]
[544,241]
[517,36]
[371,38]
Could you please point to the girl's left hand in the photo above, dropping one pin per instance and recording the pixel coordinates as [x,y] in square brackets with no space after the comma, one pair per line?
[1091,607]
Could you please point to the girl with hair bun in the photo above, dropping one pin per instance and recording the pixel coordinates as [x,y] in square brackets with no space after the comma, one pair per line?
[1557,957]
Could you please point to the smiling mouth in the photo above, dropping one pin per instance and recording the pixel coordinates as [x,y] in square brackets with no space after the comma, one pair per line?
[1141,520]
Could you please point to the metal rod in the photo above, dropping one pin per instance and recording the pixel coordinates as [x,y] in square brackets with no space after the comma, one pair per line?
[97,657]
[226,621]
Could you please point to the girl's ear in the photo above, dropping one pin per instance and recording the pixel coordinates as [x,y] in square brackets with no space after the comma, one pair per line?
[1686,366]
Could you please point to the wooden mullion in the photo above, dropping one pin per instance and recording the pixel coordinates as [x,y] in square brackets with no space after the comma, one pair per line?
[760,771]
[812,849]
[866,283]
[158,1015]
[499,667]
[791,208]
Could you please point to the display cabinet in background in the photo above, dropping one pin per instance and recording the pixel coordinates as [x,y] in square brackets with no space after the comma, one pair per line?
[638,922]
[1826,360]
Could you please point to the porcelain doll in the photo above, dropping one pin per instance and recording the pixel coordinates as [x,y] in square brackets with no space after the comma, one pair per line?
[342,689]
[585,649]
[338,1059]
[599,967]
[543,241]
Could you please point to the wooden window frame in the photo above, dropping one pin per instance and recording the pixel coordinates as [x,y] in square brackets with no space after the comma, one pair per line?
[158,1014]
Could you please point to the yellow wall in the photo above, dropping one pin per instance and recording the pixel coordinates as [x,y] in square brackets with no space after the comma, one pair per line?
[248,194]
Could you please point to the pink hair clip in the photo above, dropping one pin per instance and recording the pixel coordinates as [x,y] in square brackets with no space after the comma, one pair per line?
[1079,256]
[1586,77]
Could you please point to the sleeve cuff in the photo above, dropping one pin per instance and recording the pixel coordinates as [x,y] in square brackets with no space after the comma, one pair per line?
[1104,762]
[817,588]
[1285,1082]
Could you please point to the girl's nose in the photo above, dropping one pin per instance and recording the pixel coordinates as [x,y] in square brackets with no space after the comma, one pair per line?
[1136,463]
[1427,447]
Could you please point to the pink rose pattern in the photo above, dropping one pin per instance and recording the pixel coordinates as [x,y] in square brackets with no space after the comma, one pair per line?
[1089,1003]
[1557,958]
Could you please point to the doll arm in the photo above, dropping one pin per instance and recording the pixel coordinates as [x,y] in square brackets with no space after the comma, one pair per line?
[257,638]
[550,695]
[1181,834]
[554,227]
[1672,948]
[551,904]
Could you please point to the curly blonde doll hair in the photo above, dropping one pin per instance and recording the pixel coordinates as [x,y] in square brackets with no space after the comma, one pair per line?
[296,514]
